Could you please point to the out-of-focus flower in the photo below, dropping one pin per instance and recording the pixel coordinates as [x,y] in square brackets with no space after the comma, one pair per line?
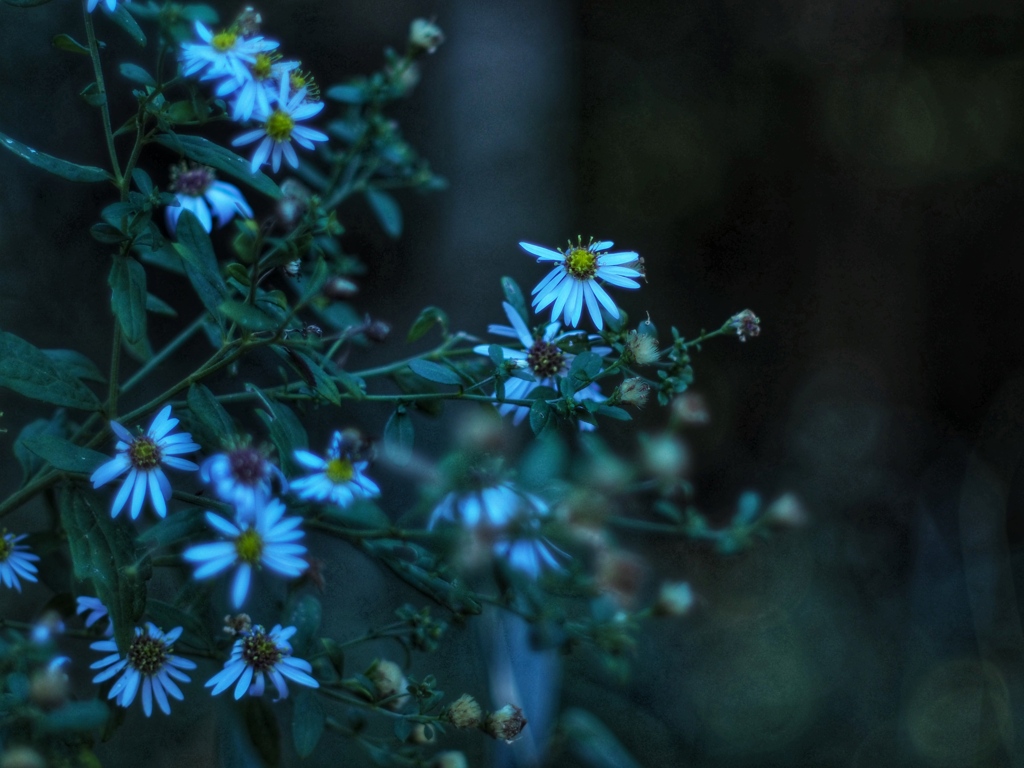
[141,457]
[634,391]
[225,54]
[389,683]
[95,611]
[242,477]
[505,724]
[198,190]
[338,479]
[266,538]
[21,757]
[258,655]
[542,358]
[150,666]
[46,627]
[620,575]
[573,281]
[425,35]
[666,457]
[464,712]
[746,323]
[690,408]
[505,519]
[16,562]
[49,686]
[449,759]
[280,126]
[674,599]
[786,512]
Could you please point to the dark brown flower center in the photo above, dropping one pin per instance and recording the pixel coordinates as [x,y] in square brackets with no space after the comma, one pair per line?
[545,359]
[193,181]
[260,652]
[148,655]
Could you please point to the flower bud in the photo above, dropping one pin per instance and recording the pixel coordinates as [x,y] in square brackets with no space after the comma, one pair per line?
[377,331]
[642,348]
[465,712]
[22,757]
[674,599]
[666,457]
[505,724]
[292,268]
[340,288]
[425,36]
[690,408]
[248,22]
[421,735]
[238,624]
[786,512]
[634,391]
[746,323]
[449,760]
[48,688]
[388,681]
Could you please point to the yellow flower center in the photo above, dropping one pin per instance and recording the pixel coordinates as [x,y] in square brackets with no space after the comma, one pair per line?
[260,652]
[6,548]
[279,126]
[581,263]
[262,67]
[144,453]
[147,655]
[225,41]
[297,80]
[339,471]
[249,546]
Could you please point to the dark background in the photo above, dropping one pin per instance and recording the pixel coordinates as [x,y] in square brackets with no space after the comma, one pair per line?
[851,170]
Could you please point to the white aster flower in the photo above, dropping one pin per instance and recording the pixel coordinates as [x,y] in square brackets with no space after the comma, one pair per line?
[279,127]
[573,281]
[242,477]
[149,665]
[543,359]
[255,91]
[199,191]
[268,539]
[141,457]
[226,54]
[94,610]
[16,561]
[337,479]
[505,519]
[260,654]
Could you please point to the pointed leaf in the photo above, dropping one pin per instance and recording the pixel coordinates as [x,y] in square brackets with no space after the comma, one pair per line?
[307,723]
[514,296]
[136,74]
[427,319]
[442,374]
[249,317]
[67,43]
[200,262]
[125,21]
[75,364]
[210,420]
[387,210]
[127,282]
[28,371]
[398,436]
[54,165]
[65,455]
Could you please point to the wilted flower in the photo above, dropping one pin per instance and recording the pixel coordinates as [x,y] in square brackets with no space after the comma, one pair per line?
[634,391]
[257,655]
[149,665]
[143,456]
[464,712]
[746,323]
[242,477]
[389,683]
[267,539]
[574,281]
[49,686]
[279,126]
[337,479]
[542,358]
[16,561]
[620,574]
[505,724]
[642,348]
[198,190]
[425,35]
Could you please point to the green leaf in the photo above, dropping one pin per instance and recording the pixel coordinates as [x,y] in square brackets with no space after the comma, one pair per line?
[361,513]
[249,317]
[585,366]
[74,716]
[286,431]
[324,384]
[158,306]
[31,462]
[305,616]
[197,254]
[353,384]
[167,616]
[124,20]
[388,213]
[68,43]
[264,732]
[442,374]
[136,74]
[54,165]
[127,282]
[419,568]
[540,416]
[307,723]
[103,551]
[29,372]
[211,421]
[206,152]
[348,94]
[514,296]
[428,318]
[65,455]
[398,436]
[26,3]
[174,528]
[75,364]
[614,412]
[497,355]
[142,181]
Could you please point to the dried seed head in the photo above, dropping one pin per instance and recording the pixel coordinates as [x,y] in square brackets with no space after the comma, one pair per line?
[505,724]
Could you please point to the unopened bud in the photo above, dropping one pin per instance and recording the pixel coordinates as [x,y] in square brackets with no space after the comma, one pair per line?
[690,408]
[388,681]
[449,760]
[746,323]
[377,331]
[425,36]
[340,288]
[22,757]
[465,712]
[248,22]
[505,724]
[674,599]
[422,734]
[786,512]
[238,624]
[48,688]
[634,391]
[642,348]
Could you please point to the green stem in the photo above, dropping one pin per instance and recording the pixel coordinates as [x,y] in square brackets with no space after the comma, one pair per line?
[370,533]
[115,370]
[166,352]
[19,497]
[97,68]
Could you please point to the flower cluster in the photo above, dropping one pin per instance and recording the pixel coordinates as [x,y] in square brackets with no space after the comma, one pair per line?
[260,87]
